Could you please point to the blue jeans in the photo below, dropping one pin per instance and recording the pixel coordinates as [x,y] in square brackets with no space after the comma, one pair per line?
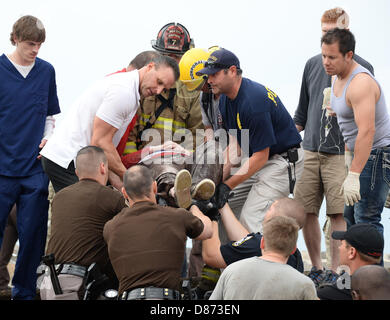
[374,187]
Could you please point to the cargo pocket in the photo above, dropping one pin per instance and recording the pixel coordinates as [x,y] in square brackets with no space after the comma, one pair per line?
[182,113]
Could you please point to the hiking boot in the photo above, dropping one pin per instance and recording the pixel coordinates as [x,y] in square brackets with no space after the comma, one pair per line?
[204,190]
[182,187]
[316,275]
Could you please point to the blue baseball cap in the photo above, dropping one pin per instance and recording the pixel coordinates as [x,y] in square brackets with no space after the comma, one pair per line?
[218,60]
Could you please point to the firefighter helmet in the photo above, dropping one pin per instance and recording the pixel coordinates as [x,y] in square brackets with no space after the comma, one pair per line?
[191,62]
[173,38]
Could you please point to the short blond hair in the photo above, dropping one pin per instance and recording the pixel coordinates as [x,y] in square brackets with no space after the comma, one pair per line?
[336,15]
[280,235]
[364,257]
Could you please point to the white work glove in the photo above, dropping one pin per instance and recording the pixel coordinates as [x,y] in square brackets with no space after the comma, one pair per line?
[351,188]
[348,156]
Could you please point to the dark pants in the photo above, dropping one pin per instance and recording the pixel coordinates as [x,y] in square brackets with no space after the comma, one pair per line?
[206,162]
[7,248]
[59,177]
[30,196]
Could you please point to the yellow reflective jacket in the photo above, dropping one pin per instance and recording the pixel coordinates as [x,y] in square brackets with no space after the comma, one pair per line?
[171,123]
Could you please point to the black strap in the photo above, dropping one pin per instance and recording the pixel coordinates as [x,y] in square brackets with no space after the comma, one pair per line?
[164,103]
[207,98]
[151,293]
[290,178]
[292,158]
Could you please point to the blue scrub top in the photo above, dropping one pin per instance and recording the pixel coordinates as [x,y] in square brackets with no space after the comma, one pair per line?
[24,105]
[259,110]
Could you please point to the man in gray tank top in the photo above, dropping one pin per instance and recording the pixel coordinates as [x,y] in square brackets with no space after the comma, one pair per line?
[358,101]
[324,167]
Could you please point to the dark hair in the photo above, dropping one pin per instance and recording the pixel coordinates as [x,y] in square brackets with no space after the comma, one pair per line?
[88,160]
[28,28]
[160,60]
[137,181]
[344,37]
[143,58]
[238,71]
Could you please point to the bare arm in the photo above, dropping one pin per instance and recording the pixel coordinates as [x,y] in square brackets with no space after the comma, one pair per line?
[299,127]
[250,166]
[207,225]
[115,181]
[362,95]
[102,135]
[209,133]
[211,252]
[231,156]
[234,229]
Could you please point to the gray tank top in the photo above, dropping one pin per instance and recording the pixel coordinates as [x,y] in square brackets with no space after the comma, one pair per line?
[346,119]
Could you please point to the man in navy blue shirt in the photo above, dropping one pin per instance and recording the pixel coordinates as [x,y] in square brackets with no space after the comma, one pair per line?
[268,139]
[244,245]
[28,100]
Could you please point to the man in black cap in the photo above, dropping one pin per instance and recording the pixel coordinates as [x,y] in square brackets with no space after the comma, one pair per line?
[361,245]
[270,155]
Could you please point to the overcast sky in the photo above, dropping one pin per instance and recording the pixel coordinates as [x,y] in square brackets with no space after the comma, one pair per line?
[273,39]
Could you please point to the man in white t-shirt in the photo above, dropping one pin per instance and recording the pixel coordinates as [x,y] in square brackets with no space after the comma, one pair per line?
[100,117]
[267,277]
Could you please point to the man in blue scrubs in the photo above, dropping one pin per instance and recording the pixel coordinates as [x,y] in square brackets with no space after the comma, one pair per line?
[266,134]
[28,100]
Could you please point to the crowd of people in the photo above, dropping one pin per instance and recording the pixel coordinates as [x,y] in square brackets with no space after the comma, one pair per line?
[181,145]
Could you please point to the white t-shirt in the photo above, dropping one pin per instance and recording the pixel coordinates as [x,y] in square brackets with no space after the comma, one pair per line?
[114,99]
[23,70]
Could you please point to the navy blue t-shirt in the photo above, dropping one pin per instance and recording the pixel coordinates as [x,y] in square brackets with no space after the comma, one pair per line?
[24,105]
[250,247]
[260,112]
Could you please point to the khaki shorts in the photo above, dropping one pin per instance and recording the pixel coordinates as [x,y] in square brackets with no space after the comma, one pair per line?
[271,183]
[323,174]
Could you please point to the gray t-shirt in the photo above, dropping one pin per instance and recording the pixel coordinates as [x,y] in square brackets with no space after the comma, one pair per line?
[258,279]
[211,116]
[310,112]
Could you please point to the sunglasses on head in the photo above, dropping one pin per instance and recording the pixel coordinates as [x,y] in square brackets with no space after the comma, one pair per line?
[216,65]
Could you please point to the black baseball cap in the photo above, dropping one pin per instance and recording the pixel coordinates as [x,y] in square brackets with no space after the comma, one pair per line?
[218,60]
[364,237]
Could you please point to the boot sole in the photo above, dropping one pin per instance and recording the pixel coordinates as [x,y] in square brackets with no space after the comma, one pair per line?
[182,186]
[204,190]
